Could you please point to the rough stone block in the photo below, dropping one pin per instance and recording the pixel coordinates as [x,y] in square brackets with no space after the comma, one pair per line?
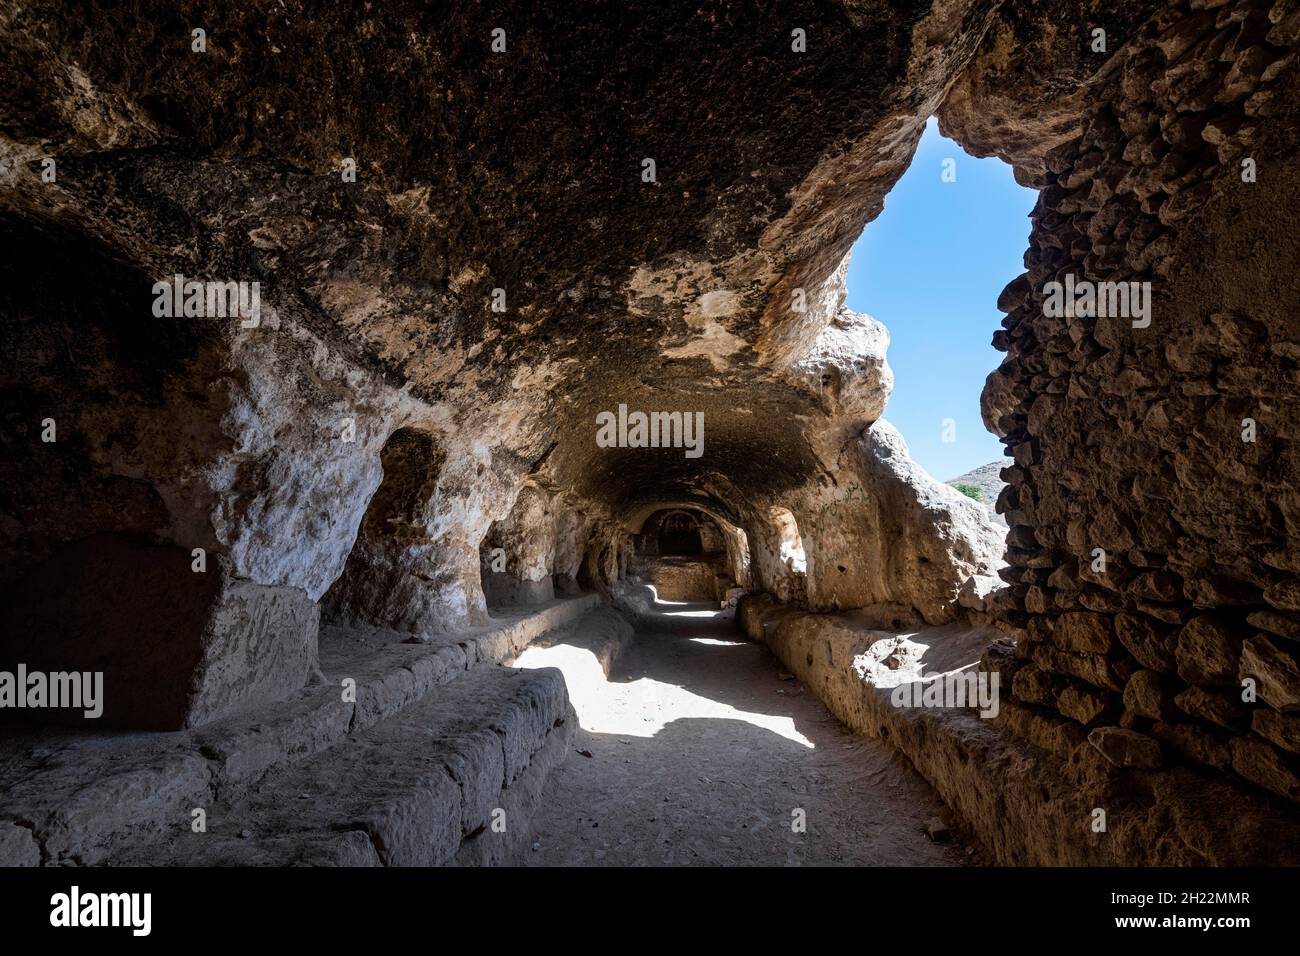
[1093,668]
[418,826]
[1045,731]
[1147,695]
[1282,625]
[85,820]
[1084,632]
[17,846]
[244,747]
[259,646]
[1216,707]
[1127,748]
[1086,706]
[1195,744]
[477,763]
[1263,764]
[1145,641]
[1275,672]
[1282,730]
[1207,652]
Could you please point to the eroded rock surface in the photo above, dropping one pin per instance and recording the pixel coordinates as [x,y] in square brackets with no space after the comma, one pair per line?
[466,259]
[460,265]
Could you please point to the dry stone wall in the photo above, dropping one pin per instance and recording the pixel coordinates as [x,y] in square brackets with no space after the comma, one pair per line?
[1154,516]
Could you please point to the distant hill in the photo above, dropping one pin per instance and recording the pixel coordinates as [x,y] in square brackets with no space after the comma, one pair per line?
[988,479]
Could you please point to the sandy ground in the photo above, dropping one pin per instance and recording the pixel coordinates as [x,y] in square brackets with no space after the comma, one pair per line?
[699,750]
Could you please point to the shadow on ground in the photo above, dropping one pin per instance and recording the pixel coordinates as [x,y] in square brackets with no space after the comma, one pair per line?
[701,751]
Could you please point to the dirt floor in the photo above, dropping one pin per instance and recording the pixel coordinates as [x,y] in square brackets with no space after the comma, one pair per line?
[698,749]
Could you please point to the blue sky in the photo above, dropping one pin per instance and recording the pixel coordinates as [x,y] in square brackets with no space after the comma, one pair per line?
[930,268]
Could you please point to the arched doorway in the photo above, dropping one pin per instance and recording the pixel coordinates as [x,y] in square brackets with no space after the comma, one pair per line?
[679,535]
[381,569]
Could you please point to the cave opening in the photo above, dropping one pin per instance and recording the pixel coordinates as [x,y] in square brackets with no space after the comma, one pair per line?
[933,290]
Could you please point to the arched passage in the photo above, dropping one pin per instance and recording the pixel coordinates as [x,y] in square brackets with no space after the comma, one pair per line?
[680,535]
[687,554]
[781,560]
[381,580]
[519,555]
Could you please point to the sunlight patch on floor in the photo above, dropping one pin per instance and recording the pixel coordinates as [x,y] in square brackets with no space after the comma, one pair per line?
[654,594]
[901,659]
[643,707]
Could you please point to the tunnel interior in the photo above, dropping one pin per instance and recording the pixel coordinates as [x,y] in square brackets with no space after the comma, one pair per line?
[686,554]
[511,370]
[680,535]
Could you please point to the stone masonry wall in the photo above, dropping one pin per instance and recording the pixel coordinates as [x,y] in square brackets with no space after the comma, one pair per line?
[1154,499]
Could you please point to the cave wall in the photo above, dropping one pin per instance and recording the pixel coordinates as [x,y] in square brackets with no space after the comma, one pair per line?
[1154,529]
[382,581]
[264,446]
[205,486]
[195,495]
[735,542]
[774,571]
[888,533]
